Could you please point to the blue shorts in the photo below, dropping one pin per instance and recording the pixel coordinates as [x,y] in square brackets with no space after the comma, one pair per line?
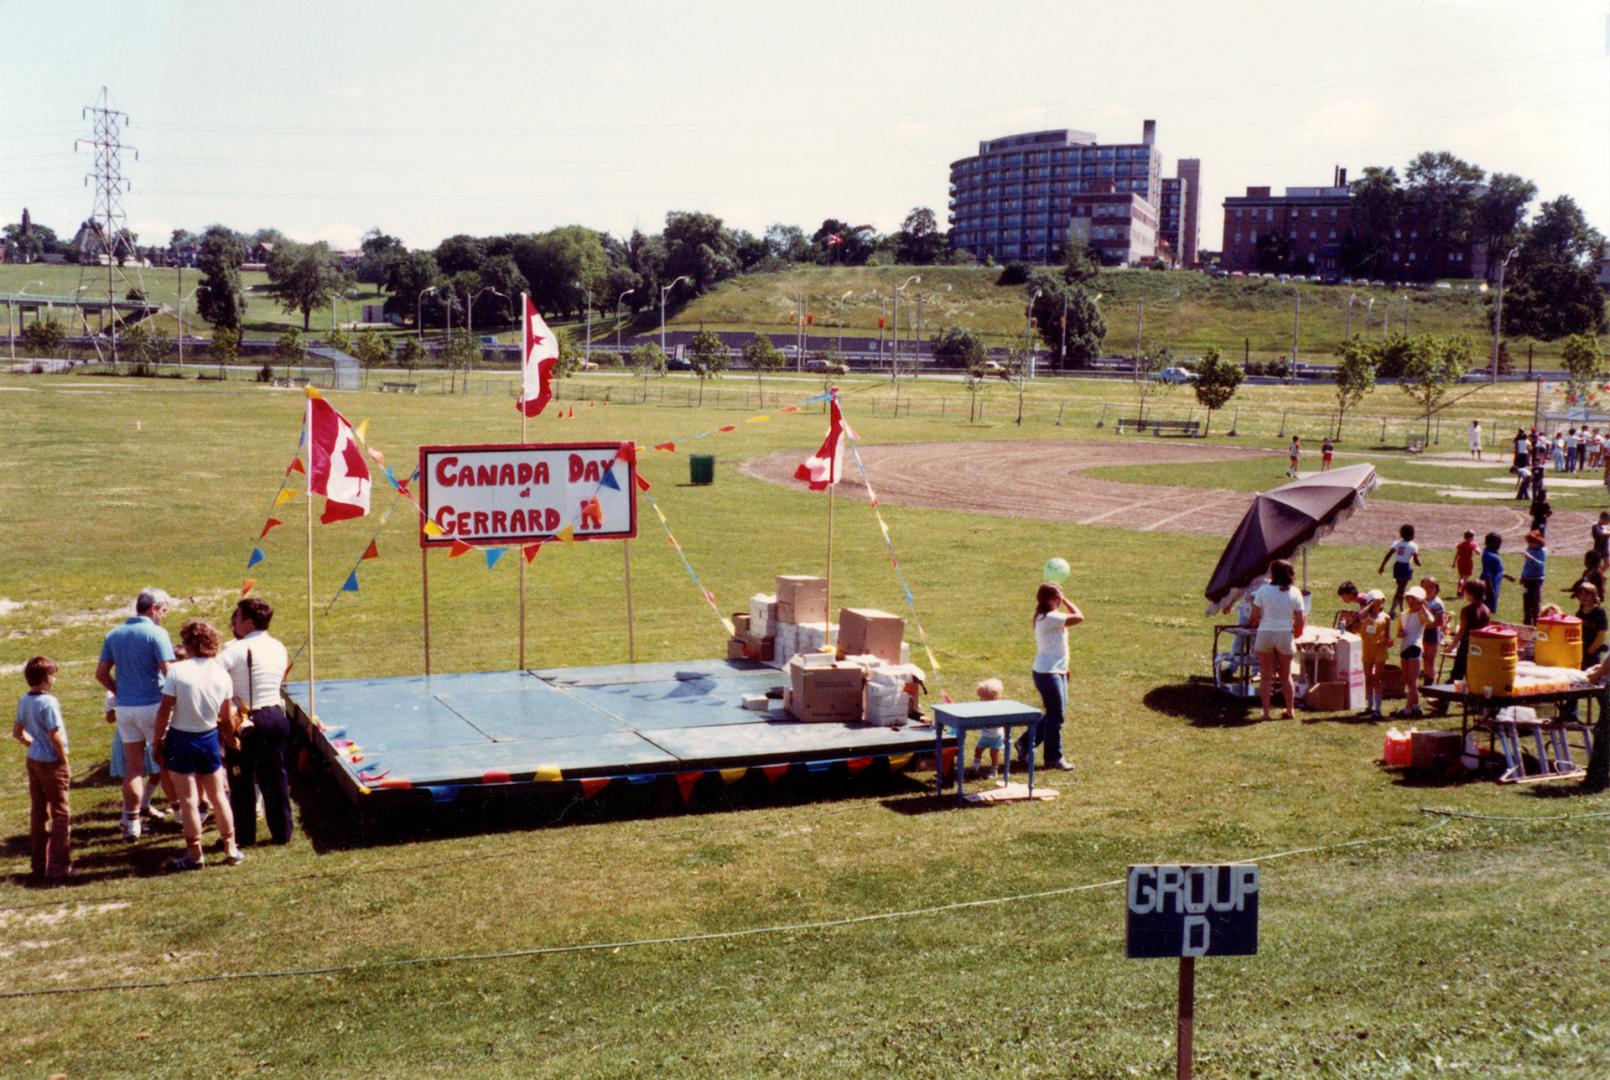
[192,753]
[992,739]
[1402,571]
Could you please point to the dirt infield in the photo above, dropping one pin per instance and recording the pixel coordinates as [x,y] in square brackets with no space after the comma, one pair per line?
[1047,480]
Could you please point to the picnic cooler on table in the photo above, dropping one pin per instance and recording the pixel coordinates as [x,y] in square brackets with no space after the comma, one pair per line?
[1494,654]
[1558,642]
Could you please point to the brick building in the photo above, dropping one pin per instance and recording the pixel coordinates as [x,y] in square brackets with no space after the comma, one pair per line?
[1120,227]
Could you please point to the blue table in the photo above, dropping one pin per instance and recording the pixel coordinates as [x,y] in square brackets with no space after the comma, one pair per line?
[965,716]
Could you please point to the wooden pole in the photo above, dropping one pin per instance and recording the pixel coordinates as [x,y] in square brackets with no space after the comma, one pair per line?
[828,590]
[521,568]
[312,715]
[1186,1027]
[631,643]
[424,588]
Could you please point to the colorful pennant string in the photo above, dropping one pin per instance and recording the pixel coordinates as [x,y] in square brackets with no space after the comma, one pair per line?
[709,597]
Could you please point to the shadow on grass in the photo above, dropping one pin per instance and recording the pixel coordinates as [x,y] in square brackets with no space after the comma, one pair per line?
[1197,701]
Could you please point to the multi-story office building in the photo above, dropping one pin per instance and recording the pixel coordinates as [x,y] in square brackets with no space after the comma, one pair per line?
[1171,220]
[1014,199]
[1189,170]
[1310,230]
[1119,226]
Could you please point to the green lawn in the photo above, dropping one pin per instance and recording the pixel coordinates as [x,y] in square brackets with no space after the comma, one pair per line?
[1469,948]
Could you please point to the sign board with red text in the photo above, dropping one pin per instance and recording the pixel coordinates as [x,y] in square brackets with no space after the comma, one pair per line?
[520,494]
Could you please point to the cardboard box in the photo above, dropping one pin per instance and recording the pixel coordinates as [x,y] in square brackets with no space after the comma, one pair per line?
[740,623]
[1435,751]
[1392,681]
[735,649]
[763,615]
[801,599]
[885,705]
[759,648]
[868,630]
[829,693]
[1328,697]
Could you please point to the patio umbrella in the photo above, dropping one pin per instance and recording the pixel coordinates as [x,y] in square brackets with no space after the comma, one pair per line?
[1282,522]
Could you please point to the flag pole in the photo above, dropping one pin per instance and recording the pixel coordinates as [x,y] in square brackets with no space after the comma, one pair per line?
[522,552]
[631,643]
[525,358]
[312,715]
[832,484]
[424,588]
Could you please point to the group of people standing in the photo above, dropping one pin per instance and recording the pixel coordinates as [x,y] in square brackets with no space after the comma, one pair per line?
[207,715]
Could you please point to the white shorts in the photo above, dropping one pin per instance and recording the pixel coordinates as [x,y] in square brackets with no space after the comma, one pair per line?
[137,723]
[1278,641]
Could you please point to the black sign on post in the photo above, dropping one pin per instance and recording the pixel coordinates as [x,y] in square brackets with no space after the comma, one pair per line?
[1186,912]
[1192,911]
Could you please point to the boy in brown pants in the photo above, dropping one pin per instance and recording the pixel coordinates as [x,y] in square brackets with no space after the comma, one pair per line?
[39,727]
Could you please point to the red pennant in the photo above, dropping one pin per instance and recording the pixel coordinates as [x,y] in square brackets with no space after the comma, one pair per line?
[269,525]
[396,782]
[685,782]
[370,552]
[642,482]
[593,785]
[729,427]
[295,466]
[668,447]
[459,548]
[246,586]
[494,776]
[856,764]
[530,552]
[948,701]
[774,773]
[790,408]
[340,511]
[627,453]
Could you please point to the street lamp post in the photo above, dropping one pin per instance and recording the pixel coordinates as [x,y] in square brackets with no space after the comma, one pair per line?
[469,310]
[1028,346]
[419,318]
[894,365]
[1140,323]
[1348,333]
[1498,310]
[618,300]
[664,292]
[843,298]
[587,349]
[1369,307]
[1296,323]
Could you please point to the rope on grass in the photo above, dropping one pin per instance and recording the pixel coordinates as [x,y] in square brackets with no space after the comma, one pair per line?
[675,939]
[1465,814]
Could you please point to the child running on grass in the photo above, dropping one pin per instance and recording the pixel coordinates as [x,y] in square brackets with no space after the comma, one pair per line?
[1295,453]
[1375,629]
[991,739]
[1405,556]
[1327,450]
[1464,559]
[39,727]
[1411,633]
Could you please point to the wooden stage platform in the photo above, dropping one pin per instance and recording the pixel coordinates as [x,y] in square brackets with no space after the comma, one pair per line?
[587,726]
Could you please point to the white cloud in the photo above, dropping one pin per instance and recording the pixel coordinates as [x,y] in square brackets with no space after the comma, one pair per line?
[342,91]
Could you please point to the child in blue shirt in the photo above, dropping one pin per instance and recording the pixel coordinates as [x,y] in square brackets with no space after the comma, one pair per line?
[39,727]
[1532,577]
[1492,570]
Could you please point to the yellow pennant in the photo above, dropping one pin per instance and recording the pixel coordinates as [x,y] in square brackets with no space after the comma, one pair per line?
[568,534]
[732,776]
[757,419]
[548,774]
[285,496]
[362,432]
[899,761]
[933,665]
[313,393]
[731,630]
[433,529]
[661,513]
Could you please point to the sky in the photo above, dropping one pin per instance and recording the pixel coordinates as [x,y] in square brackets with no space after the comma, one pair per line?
[485,117]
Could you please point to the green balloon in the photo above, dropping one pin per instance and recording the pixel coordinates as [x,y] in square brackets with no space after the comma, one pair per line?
[1057,571]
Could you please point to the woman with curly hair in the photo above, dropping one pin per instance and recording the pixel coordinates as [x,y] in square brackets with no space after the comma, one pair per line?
[195,705]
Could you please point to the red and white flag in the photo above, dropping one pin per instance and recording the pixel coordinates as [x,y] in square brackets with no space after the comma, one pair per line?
[539,356]
[822,470]
[337,468]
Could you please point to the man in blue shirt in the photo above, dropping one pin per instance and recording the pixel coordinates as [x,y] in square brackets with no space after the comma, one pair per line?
[1492,570]
[134,659]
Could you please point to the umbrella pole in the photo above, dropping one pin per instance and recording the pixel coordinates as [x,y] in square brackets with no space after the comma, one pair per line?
[1305,569]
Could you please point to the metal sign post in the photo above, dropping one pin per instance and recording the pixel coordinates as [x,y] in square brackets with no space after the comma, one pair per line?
[1190,911]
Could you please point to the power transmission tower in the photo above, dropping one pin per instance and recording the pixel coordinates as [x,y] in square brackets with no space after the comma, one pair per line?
[108,217]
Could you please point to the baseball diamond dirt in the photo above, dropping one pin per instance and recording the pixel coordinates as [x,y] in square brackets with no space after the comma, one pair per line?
[1048,480]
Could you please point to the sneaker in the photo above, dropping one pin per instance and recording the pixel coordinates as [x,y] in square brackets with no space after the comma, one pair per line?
[157,813]
[185,862]
[131,829]
[235,858]
[1062,764]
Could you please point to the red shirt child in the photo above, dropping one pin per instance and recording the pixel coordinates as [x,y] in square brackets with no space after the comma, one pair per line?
[1464,557]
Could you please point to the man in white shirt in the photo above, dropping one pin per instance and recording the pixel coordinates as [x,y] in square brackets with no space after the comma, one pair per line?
[256,664]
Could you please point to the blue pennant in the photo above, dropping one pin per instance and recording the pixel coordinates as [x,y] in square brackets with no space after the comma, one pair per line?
[392,477]
[493,555]
[351,584]
[256,557]
[911,600]
[609,480]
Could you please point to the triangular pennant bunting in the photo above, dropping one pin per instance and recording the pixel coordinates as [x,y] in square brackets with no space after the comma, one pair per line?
[459,548]
[593,785]
[351,584]
[642,482]
[295,466]
[668,447]
[609,480]
[530,551]
[246,586]
[370,552]
[493,555]
[285,496]
[567,534]
[255,557]
[431,528]
[269,524]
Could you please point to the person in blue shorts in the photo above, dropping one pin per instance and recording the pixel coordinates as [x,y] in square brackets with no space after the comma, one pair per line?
[134,661]
[1405,556]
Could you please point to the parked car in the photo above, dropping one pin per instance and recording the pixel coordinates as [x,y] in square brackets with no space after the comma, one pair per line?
[1175,375]
[678,363]
[823,366]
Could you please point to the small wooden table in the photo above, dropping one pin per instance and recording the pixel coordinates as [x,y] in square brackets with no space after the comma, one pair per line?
[965,716]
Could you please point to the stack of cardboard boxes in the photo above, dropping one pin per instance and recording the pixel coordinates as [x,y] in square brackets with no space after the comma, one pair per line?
[856,669]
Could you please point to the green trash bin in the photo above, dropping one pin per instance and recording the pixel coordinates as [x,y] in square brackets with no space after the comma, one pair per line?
[702,468]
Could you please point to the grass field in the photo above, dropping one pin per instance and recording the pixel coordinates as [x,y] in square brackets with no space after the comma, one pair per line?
[1459,945]
[1187,311]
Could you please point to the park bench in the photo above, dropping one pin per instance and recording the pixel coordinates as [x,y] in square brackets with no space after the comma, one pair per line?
[288,382]
[1192,428]
[399,388]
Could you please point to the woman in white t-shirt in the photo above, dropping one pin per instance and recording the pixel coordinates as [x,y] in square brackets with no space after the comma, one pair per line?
[1277,616]
[195,705]
[1053,614]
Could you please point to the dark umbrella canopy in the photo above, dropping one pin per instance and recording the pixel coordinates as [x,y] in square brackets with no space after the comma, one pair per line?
[1281,522]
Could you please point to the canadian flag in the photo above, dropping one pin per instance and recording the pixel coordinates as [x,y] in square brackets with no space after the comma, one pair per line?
[337,468]
[539,356]
[822,470]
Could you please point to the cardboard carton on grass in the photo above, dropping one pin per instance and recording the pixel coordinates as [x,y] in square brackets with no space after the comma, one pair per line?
[801,599]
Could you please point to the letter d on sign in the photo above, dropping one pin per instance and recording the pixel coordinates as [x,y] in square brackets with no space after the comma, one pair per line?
[1196,936]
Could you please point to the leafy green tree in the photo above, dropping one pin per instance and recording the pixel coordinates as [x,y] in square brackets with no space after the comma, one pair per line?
[40,240]
[1147,367]
[303,277]
[959,346]
[762,356]
[380,251]
[1085,325]
[1501,214]
[788,243]
[1435,366]
[224,347]
[462,354]
[1217,380]
[838,243]
[158,344]
[222,302]
[407,281]
[709,357]
[1583,363]
[1392,356]
[920,241]
[1552,291]
[699,246]
[289,350]
[371,350]
[1377,201]
[460,254]
[647,360]
[1079,264]
[1273,252]
[1443,189]
[45,338]
[410,354]
[750,250]
[1355,377]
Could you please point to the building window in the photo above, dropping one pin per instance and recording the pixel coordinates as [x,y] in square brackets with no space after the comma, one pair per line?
[1332,235]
